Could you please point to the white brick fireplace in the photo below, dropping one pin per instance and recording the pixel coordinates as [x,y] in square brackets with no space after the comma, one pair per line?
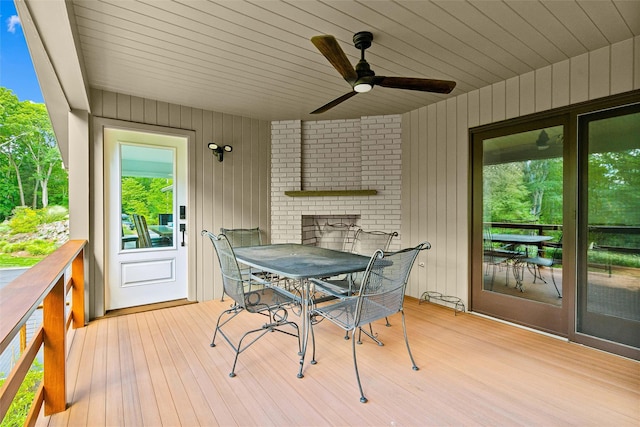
[336,155]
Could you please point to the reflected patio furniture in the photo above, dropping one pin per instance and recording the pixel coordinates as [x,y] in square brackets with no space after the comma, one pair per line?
[270,302]
[144,238]
[381,294]
[515,251]
[496,257]
[301,263]
[535,261]
[165,234]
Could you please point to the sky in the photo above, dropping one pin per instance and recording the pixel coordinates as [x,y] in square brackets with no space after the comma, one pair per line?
[16,68]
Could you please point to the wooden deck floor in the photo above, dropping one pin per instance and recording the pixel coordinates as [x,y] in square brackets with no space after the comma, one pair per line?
[157,368]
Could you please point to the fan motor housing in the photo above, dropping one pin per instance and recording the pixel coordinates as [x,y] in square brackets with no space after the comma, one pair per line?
[362,39]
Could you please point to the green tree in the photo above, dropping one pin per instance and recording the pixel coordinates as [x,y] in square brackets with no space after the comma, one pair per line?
[543,180]
[134,197]
[506,197]
[614,180]
[29,153]
[41,147]
[147,196]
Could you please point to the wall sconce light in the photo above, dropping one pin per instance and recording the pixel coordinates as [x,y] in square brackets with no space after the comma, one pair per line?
[219,151]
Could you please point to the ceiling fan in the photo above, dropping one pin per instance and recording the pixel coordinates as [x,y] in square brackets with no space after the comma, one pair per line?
[362,78]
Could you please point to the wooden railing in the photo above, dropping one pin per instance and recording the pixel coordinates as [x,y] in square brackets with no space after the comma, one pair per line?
[48,284]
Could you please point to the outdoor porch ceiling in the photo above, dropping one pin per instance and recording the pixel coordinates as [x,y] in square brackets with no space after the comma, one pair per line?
[255,58]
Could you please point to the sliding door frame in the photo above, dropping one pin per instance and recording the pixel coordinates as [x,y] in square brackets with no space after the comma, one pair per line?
[571,235]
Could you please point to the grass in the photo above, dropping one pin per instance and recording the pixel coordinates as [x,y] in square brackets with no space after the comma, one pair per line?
[8,260]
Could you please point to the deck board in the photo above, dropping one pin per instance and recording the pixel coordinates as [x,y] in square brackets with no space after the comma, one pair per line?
[157,368]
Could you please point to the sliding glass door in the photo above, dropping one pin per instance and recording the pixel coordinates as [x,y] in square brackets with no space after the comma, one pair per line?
[608,292]
[518,188]
[555,230]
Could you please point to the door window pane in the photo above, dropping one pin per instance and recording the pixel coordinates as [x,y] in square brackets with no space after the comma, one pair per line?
[609,298]
[522,214]
[147,196]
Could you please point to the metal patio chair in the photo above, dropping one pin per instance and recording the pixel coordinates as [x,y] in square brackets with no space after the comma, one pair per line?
[364,243]
[239,237]
[381,294]
[334,236]
[270,302]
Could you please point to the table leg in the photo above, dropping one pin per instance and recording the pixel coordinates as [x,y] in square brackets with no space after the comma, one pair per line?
[518,273]
[306,321]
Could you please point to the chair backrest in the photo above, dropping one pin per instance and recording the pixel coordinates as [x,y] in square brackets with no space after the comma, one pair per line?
[556,250]
[231,276]
[367,242]
[144,238]
[333,236]
[239,237]
[384,284]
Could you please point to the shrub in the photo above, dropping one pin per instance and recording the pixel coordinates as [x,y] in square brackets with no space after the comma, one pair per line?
[34,247]
[25,220]
[53,214]
[10,248]
[40,247]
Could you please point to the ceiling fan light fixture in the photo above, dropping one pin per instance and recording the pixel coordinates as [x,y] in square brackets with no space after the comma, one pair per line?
[362,87]
[543,140]
[362,78]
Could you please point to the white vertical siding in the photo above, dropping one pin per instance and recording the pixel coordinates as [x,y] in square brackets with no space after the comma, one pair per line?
[233,194]
[435,147]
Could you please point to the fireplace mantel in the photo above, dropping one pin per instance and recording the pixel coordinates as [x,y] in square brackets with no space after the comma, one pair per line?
[330,193]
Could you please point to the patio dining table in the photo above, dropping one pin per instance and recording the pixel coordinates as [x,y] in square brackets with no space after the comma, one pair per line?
[301,262]
[520,239]
[514,240]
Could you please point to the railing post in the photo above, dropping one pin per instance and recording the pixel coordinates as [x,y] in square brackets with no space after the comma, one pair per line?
[77,292]
[54,325]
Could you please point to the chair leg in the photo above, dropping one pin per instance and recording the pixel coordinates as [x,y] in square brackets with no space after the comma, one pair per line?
[406,340]
[553,279]
[235,312]
[313,344]
[240,349]
[263,330]
[370,334]
[388,324]
[363,399]
[493,275]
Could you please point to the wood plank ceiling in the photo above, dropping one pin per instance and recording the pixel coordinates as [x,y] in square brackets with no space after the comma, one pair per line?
[254,58]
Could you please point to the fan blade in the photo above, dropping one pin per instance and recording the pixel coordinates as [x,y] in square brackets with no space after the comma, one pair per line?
[334,103]
[329,47]
[410,83]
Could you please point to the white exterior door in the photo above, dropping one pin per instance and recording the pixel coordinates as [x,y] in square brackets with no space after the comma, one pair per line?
[145,218]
